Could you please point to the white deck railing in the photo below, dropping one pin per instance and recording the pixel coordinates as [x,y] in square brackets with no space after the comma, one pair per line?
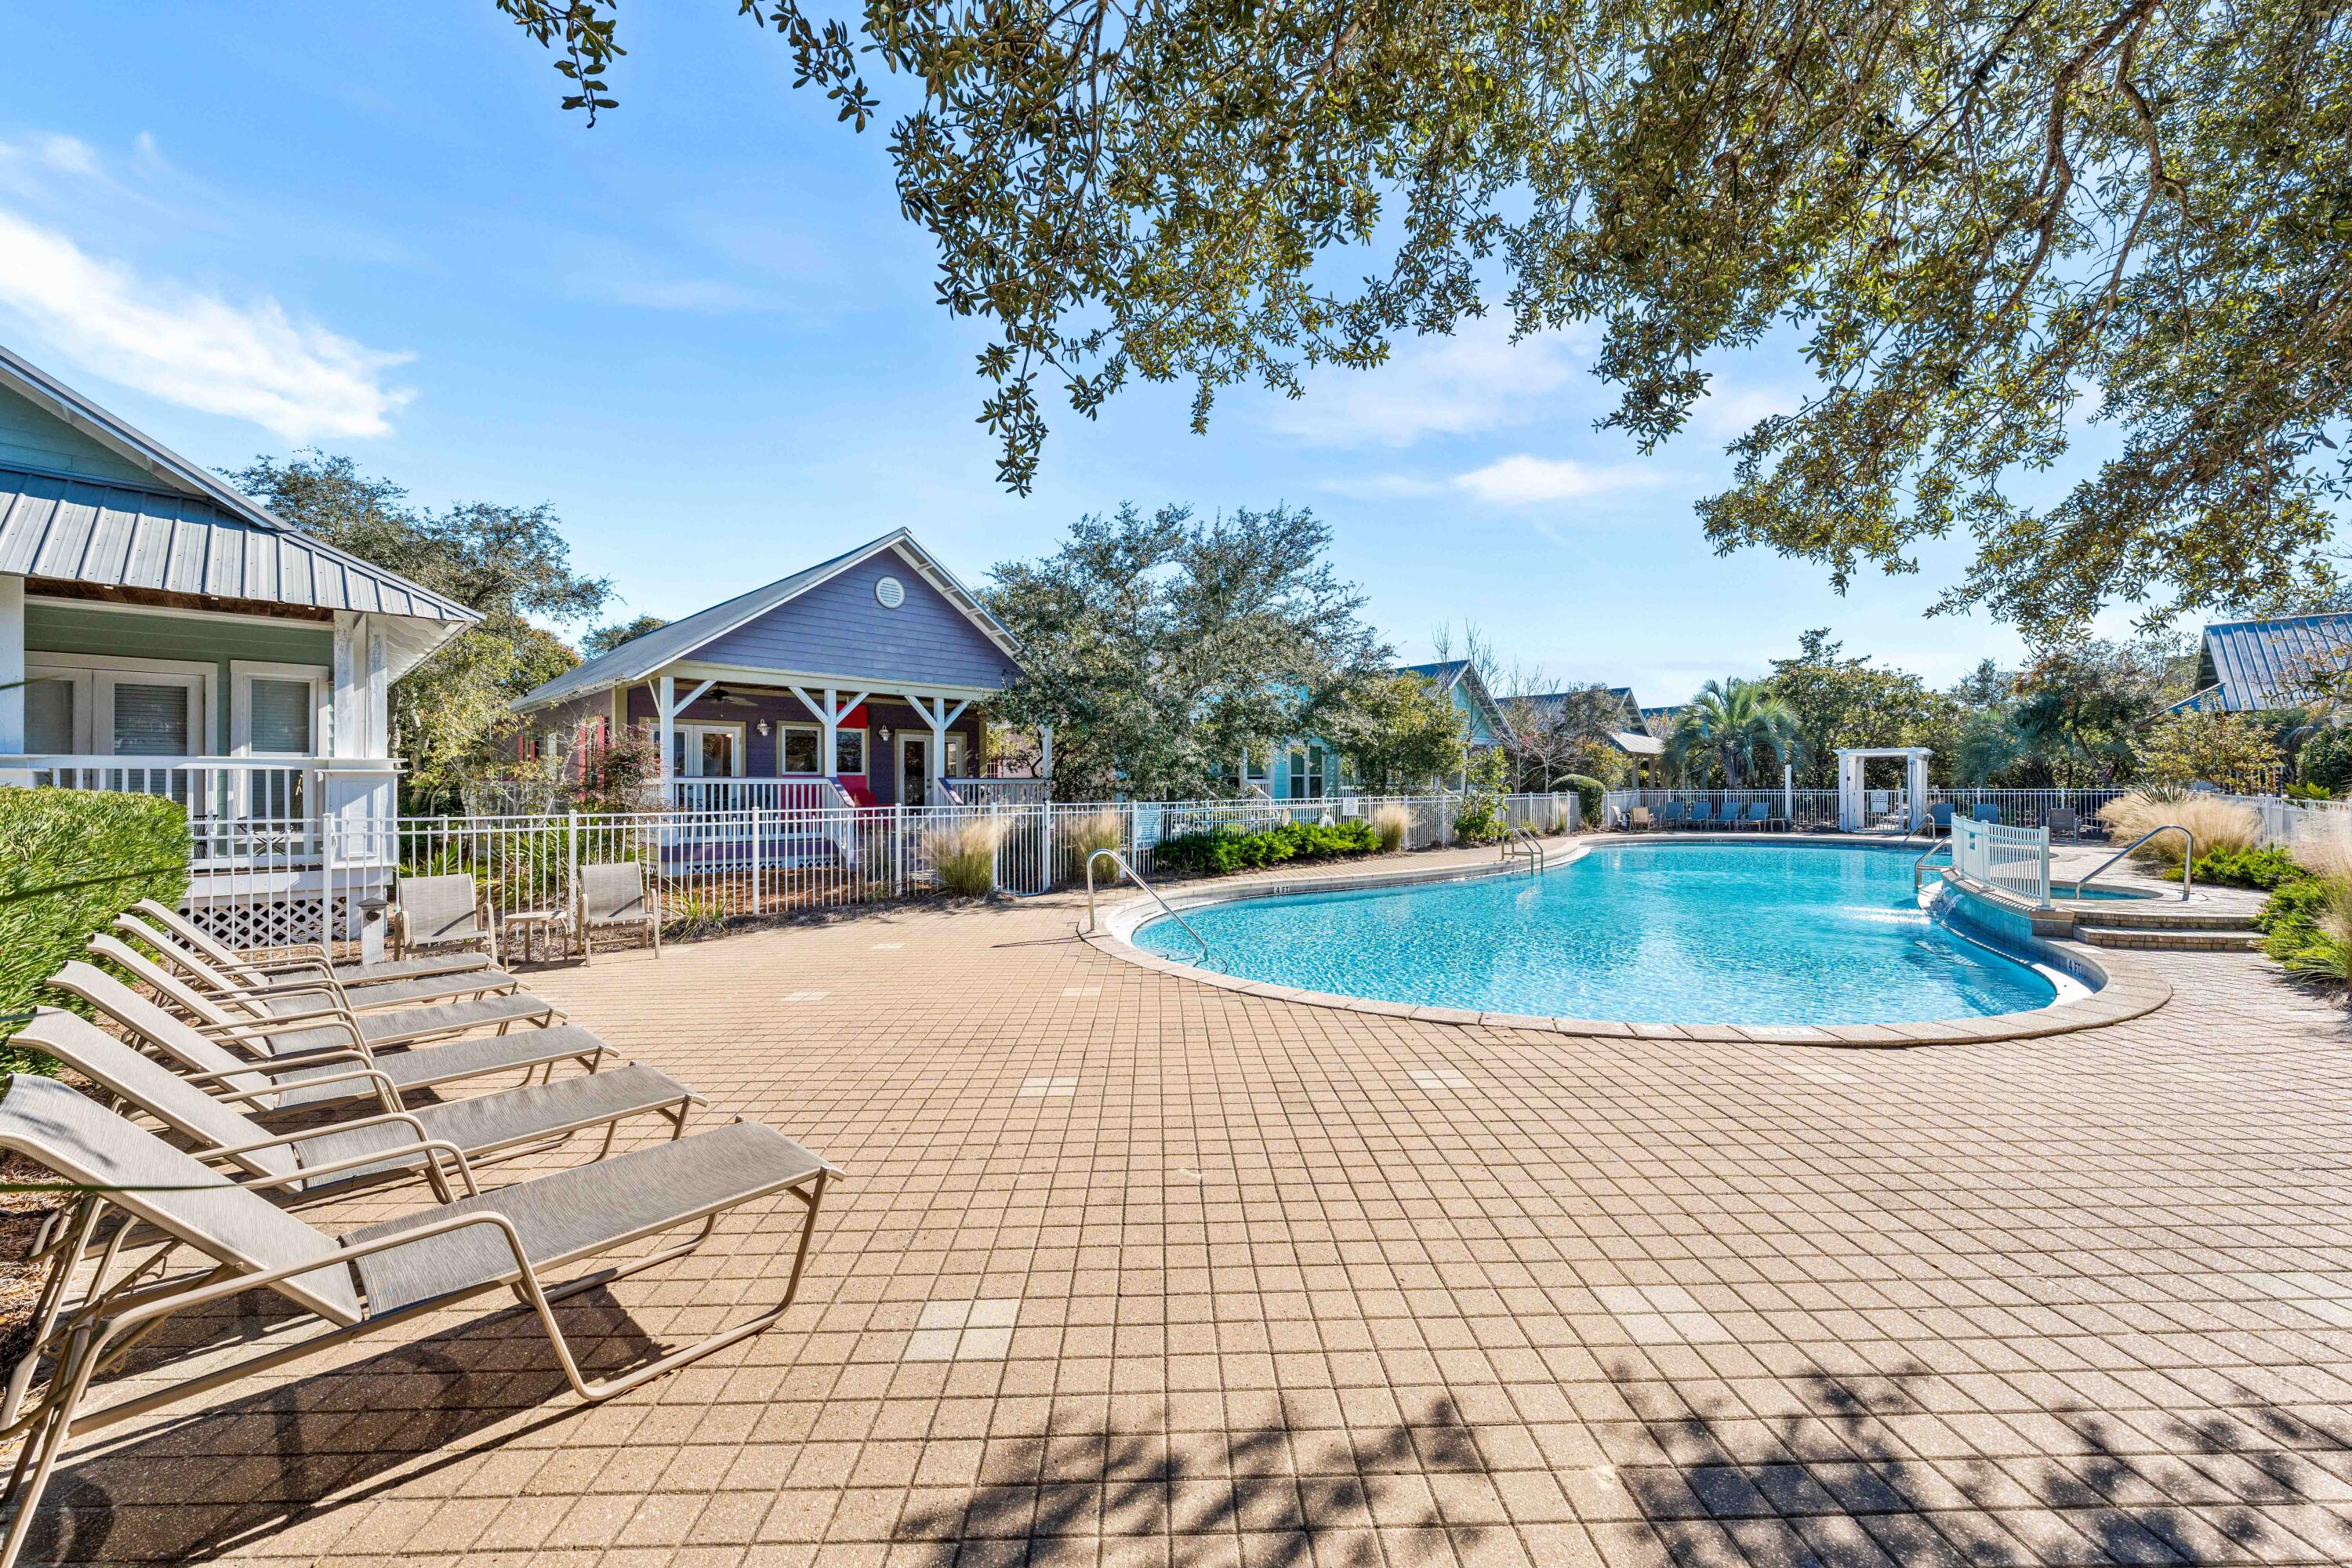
[723,794]
[2014,859]
[1818,808]
[241,810]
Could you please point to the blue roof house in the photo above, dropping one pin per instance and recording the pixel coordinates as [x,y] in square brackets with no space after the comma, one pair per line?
[2251,665]
[858,681]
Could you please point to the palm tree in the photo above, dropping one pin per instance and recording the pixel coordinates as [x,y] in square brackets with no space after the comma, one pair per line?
[1738,724]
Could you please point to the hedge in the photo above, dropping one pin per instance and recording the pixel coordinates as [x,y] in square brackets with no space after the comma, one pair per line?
[70,860]
[1225,850]
[1591,800]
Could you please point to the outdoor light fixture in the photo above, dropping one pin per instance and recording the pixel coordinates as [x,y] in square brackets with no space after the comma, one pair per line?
[763,727]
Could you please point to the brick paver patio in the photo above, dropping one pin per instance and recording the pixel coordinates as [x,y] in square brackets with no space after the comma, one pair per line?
[1132,1270]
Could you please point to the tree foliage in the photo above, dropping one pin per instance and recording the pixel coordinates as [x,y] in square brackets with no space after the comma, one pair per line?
[1985,222]
[1740,727]
[1161,647]
[450,712]
[1398,729]
[602,640]
[2234,750]
[1840,701]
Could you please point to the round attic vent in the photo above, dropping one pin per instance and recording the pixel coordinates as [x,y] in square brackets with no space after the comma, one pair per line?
[889,592]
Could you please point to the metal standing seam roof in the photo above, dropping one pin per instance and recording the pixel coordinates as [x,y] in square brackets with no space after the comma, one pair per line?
[640,657]
[2271,664]
[120,536]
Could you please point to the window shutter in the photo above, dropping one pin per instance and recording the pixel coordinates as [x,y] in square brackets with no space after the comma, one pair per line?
[280,714]
[151,720]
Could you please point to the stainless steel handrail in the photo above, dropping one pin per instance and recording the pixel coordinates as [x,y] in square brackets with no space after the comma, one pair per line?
[1534,850]
[1918,875]
[1119,860]
[2188,860]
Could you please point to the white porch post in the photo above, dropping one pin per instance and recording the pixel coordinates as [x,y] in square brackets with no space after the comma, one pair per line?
[828,725]
[12,674]
[665,706]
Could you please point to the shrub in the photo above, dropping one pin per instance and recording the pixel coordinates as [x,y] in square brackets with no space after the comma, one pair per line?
[2266,868]
[2292,906]
[1227,850]
[1589,794]
[71,861]
[965,856]
[2217,824]
[2310,926]
[2325,764]
[1391,825]
[1083,837]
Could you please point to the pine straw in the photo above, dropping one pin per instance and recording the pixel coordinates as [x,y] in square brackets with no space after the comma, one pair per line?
[21,1215]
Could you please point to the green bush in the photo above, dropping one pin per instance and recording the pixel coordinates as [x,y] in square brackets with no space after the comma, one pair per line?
[1226,849]
[70,860]
[2325,762]
[2265,869]
[2293,905]
[1479,822]
[1589,794]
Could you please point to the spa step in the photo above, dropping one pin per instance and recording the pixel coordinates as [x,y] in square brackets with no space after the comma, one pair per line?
[2152,916]
[2173,939]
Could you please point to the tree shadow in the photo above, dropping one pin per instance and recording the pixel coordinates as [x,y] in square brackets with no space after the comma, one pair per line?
[1836,1484]
[1302,1494]
[263,1462]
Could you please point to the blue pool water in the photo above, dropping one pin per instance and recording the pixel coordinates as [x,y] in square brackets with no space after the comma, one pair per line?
[1653,933]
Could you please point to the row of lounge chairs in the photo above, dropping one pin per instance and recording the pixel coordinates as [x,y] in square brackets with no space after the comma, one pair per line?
[187,1154]
[1758,814]
[446,910]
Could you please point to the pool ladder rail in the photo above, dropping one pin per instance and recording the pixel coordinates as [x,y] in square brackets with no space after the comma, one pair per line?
[1119,860]
[1519,844]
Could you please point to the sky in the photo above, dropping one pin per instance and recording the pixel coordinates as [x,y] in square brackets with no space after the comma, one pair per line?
[703,333]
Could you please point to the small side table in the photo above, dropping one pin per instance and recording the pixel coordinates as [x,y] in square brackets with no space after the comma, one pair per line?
[547,924]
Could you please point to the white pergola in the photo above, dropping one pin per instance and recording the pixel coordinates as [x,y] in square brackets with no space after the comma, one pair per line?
[1852,817]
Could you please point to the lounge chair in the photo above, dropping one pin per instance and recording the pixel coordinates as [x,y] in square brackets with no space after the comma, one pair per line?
[611,895]
[366,1280]
[285,993]
[437,911]
[2061,822]
[311,1078]
[1674,816]
[1702,814]
[1760,813]
[310,957]
[1639,820]
[331,1155]
[320,1027]
[1986,813]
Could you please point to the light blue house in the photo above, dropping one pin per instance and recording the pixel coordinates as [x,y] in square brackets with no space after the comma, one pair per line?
[858,681]
[1307,768]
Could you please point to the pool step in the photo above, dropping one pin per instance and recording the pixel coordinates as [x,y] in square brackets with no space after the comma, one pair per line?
[2149,915]
[2173,938]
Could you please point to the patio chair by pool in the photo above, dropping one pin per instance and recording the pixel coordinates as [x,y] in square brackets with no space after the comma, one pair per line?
[439,911]
[320,1027]
[1939,817]
[1675,815]
[312,1078]
[513,1240]
[283,995]
[1702,814]
[2062,824]
[1759,813]
[1985,813]
[338,1152]
[257,965]
[614,895]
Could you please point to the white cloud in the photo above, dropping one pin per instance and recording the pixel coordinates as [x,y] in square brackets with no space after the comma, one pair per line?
[1385,487]
[1474,380]
[1727,415]
[1528,480]
[247,360]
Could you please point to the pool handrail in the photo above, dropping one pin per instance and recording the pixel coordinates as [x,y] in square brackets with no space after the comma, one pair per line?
[1119,860]
[1517,841]
[1918,866]
[2187,859]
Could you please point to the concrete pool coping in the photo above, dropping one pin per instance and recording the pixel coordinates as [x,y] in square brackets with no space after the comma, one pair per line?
[2123,988]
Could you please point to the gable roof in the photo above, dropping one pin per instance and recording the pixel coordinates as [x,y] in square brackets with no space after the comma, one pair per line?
[1548,704]
[2269,664]
[190,533]
[641,657]
[1448,674]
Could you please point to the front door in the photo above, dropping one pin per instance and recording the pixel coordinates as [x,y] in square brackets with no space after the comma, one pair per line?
[914,769]
[706,752]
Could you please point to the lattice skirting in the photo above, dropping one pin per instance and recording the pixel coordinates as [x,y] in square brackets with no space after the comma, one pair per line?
[260,922]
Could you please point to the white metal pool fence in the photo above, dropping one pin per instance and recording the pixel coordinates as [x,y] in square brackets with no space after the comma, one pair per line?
[1817,809]
[2013,860]
[714,865]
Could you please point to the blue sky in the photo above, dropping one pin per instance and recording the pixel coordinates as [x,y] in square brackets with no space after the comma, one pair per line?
[702,333]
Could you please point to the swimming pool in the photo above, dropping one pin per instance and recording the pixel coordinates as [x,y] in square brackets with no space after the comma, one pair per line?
[1650,933]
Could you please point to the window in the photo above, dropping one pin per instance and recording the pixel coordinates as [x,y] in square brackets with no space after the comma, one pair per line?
[281,717]
[849,754]
[1254,766]
[49,714]
[796,747]
[1314,773]
[954,768]
[278,709]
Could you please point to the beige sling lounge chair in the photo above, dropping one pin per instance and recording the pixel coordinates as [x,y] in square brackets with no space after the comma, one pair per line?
[310,1078]
[325,1025]
[518,1239]
[436,912]
[328,1156]
[303,958]
[290,994]
[612,895]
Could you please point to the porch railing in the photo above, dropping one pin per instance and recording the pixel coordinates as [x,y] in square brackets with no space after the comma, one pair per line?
[240,809]
[726,795]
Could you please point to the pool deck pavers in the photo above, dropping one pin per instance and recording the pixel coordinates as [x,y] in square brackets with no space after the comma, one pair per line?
[1278,1285]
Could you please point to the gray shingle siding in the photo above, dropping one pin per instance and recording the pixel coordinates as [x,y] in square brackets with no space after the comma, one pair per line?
[839,628]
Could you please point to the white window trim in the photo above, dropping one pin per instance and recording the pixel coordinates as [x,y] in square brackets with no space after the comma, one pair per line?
[865,751]
[241,674]
[690,731]
[94,675]
[815,732]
